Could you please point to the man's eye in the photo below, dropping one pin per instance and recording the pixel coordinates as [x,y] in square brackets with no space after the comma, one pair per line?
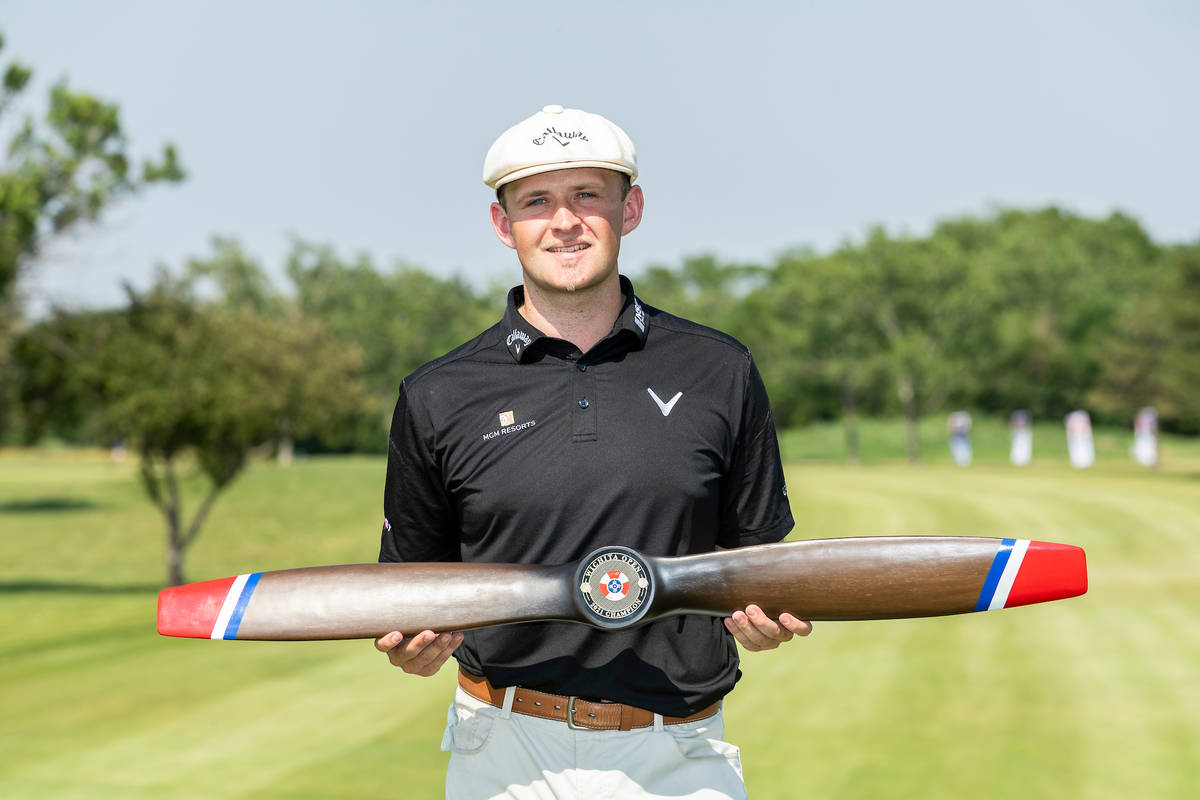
[537,201]
[587,195]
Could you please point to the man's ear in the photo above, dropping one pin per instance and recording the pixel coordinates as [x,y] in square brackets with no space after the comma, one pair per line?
[502,226]
[634,203]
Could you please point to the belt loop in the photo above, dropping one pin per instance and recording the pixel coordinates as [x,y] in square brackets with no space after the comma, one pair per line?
[658,722]
[506,709]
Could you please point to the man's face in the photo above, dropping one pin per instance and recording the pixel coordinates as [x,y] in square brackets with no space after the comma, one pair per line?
[566,226]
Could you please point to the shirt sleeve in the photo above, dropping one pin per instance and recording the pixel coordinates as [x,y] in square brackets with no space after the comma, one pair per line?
[755,508]
[420,521]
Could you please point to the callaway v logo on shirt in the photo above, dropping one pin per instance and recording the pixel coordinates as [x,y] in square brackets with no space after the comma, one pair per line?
[665,408]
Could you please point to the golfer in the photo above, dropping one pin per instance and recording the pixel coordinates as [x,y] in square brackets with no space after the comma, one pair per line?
[584,418]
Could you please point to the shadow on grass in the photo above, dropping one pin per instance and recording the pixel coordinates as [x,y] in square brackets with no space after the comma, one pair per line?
[75,587]
[48,504]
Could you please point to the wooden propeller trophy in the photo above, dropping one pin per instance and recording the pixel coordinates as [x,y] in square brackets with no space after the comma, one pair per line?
[894,577]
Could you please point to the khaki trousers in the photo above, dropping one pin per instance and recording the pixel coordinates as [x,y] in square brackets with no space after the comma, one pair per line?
[496,754]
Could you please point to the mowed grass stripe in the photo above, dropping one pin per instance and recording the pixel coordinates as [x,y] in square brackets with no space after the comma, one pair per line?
[1133,708]
[994,502]
[794,709]
[244,739]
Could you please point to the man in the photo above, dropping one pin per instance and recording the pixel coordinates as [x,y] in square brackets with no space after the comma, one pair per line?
[584,418]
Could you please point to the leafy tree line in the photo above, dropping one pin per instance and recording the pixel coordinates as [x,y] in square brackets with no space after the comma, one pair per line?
[1040,310]
[354,328]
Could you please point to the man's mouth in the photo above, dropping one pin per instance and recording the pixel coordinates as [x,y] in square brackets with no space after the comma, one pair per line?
[574,248]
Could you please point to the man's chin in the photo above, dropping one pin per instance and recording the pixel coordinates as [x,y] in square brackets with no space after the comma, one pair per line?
[573,279]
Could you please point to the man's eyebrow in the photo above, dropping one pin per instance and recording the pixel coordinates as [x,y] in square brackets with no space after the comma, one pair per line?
[530,194]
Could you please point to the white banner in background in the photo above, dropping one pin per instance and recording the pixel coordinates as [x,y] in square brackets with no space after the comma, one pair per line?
[1079,439]
[1145,437]
[1021,453]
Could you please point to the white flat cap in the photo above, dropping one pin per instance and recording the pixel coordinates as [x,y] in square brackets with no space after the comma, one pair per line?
[558,138]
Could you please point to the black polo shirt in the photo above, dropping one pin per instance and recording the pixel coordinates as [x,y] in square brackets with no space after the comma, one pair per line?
[516,447]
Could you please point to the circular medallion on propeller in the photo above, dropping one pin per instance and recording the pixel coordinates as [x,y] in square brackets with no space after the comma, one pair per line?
[614,587]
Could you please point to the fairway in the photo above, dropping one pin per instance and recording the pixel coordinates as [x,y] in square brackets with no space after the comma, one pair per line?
[1095,697]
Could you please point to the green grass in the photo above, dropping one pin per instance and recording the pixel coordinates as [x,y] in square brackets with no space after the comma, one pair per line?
[1095,697]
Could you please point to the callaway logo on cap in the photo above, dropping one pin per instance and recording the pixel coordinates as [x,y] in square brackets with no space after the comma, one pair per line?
[558,138]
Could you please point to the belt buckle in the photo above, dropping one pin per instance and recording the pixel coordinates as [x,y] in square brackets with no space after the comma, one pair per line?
[571,714]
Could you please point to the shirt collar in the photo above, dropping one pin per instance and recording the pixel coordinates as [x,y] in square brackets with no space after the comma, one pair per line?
[632,324]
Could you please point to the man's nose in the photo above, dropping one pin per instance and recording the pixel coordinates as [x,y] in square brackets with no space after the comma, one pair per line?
[564,218]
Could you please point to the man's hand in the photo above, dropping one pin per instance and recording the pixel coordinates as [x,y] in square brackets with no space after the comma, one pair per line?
[422,654]
[754,630]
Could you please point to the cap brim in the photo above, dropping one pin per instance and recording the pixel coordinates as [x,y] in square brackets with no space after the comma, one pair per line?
[537,169]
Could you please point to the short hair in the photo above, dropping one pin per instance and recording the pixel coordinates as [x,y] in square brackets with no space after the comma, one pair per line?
[625,184]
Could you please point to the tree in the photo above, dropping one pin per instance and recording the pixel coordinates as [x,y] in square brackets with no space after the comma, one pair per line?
[398,319]
[813,341]
[238,279]
[53,375]
[1181,367]
[184,378]
[1061,281]
[1151,351]
[918,301]
[703,290]
[57,174]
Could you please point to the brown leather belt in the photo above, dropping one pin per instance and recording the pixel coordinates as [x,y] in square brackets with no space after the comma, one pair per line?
[602,715]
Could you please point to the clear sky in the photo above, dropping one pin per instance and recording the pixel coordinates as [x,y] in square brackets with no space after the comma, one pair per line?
[759,126]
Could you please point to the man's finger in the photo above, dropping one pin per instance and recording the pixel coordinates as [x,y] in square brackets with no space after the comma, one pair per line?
[435,655]
[800,627]
[425,651]
[754,630]
[746,633]
[406,651]
[398,649]
[761,631]
[769,628]
[388,641]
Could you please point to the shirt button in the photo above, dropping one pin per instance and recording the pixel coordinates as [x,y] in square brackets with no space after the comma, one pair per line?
[581,367]
[583,402]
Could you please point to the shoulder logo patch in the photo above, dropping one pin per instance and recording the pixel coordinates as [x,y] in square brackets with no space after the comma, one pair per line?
[665,408]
